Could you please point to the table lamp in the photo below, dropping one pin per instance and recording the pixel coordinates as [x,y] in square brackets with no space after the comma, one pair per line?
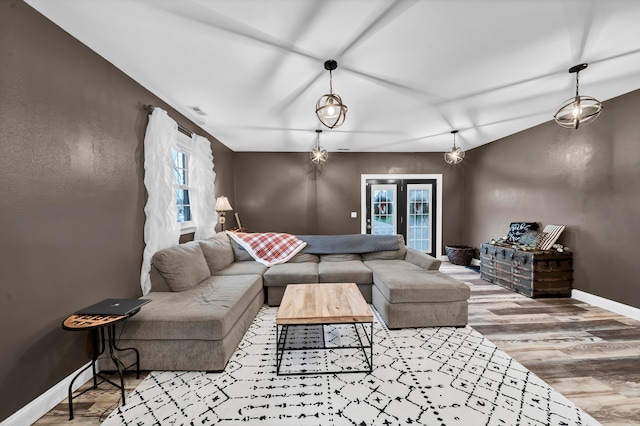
[222,206]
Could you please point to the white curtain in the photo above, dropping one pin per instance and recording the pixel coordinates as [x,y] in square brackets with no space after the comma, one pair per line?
[161,228]
[202,194]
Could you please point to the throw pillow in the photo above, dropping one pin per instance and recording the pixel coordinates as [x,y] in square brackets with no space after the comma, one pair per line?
[553,233]
[516,229]
[531,238]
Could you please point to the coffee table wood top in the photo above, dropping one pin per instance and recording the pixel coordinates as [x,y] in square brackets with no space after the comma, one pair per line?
[332,303]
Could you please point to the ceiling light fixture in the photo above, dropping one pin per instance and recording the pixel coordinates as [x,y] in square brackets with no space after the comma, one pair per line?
[319,155]
[330,110]
[456,155]
[580,110]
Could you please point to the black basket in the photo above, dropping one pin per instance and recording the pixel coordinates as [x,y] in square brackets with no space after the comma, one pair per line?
[460,255]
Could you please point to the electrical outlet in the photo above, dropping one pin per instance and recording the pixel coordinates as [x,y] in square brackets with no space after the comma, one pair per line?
[354,215]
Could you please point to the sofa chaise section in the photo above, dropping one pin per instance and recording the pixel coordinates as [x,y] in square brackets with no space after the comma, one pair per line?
[196,329]
[202,303]
[419,298]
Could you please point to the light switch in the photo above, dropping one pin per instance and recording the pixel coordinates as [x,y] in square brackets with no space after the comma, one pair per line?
[354,215]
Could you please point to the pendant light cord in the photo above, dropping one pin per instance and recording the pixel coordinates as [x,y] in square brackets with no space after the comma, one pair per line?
[330,82]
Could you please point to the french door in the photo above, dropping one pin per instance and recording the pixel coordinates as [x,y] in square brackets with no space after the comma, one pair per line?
[404,206]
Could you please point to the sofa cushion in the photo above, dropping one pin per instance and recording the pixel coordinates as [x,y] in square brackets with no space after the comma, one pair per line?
[418,286]
[207,311]
[182,266]
[394,266]
[243,268]
[239,253]
[291,273]
[304,257]
[422,260]
[339,257]
[350,271]
[387,254]
[217,252]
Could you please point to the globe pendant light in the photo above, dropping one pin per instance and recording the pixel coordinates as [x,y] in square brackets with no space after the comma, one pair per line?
[319,155]
[330,110]
[580,110]
[456,155]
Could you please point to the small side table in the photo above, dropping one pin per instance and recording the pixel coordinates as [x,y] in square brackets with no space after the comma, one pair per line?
[98,323]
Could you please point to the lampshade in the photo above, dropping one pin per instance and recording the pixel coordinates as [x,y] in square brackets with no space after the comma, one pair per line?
[330,110]
[319,155]
[579,110]
[456,155]
[222,204]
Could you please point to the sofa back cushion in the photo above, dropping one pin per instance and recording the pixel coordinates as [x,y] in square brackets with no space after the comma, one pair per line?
[217,252]
[182,266]
[239,253]
[304,258]
[388,254]
[345,257]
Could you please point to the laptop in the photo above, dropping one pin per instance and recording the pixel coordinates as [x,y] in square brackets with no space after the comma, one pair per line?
[115,307]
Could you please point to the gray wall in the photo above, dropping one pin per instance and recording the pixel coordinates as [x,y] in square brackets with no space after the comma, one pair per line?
[71,211]
[587,179]
[286,192]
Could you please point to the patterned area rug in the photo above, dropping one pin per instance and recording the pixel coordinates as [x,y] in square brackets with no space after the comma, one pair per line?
[428,376]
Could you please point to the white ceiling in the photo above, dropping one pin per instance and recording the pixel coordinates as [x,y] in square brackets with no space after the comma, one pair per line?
[409,71]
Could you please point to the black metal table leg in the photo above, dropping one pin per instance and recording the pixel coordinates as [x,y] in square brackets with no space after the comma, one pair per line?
[96,324]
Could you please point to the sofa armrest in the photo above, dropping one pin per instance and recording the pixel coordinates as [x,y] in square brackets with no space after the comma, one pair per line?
[422,260]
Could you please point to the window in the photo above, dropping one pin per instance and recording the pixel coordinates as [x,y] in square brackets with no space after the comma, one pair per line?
[182,184]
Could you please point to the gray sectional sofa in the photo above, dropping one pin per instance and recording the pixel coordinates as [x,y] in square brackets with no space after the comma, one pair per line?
[206,293]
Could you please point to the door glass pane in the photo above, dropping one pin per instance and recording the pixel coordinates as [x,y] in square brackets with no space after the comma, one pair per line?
[383,206]
[419,217]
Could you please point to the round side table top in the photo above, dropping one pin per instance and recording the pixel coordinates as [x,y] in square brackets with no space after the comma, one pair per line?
[84,322]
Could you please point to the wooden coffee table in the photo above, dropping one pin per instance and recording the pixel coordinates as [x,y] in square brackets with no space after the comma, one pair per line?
[308,307]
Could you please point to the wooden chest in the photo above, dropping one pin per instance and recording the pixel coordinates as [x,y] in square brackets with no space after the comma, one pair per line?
[538,273]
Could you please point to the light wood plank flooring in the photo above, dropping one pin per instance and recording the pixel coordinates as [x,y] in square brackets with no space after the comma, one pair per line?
[590,355]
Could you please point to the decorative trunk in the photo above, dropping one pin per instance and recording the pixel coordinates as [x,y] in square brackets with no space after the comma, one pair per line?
[537,273]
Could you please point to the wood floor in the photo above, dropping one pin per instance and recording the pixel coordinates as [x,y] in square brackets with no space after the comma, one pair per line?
[590,355]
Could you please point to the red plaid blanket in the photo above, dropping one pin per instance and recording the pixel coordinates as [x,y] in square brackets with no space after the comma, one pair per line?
[269,248]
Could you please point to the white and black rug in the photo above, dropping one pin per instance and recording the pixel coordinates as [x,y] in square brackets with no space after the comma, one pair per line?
[428,376]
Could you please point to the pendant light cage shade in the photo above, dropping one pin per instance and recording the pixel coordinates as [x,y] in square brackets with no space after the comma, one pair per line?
[330,109]
[579,110]
[456,154]
[319,155]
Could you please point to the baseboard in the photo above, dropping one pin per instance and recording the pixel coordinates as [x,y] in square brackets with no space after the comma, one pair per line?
[44,403]
[610,305]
